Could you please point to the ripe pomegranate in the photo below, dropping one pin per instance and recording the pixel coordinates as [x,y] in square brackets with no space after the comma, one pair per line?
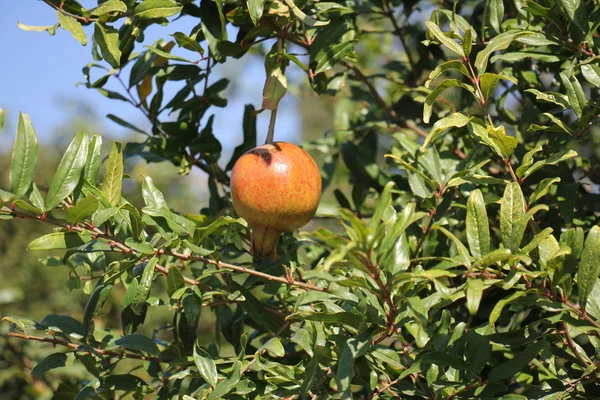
[276,188]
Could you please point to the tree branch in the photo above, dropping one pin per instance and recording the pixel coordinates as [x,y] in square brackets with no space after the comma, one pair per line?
[74,346]
[86,20]
[117,243]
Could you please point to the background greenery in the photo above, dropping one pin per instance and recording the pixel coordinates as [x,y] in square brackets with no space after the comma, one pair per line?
[456,253]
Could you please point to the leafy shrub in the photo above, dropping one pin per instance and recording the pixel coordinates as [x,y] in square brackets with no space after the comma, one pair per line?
[466,256]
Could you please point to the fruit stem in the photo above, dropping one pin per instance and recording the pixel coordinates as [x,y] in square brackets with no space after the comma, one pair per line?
[271,131]
[264,242]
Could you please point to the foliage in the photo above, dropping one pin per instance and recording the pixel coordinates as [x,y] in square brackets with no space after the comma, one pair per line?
[466,262]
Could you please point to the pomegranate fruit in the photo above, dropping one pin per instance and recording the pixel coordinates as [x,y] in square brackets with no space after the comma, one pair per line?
[276,188]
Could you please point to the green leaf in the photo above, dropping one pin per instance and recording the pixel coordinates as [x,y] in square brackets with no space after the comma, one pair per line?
[92,162]
[554,159]
[497,310]
[551,97]
[589,265]
[109,7]
[107,39]
[577,99]
[478,228]
[342,318]
[167,55]
[506,144]
[518,363]
[468,43]
[213,25]
[512,209]
[192,306]
[353,348]
[590,72]
[82,210]
[93,307]
[152,196]
[6,197]
[273,346]
[176,223]
[113,180]
[542,189]
[24,157]
[125,124]
[474,294]
[500,42]
[444,359]
[448,42]
[51,29]
[69,171]
[36,197]
[56,360]
[64,324]
[303,17]
[187,42]
[522,55]
[205,364]
[138,342]
[59,240]
[255,8]
[72,25]
[327,60]
[141,295]
[496,14]
[435,93]
[455,65]
[488,84]
[456,120]
[536,241]
[174,281]
[150,9]
[227,384]
[462,250]
[493,257]
[494,138]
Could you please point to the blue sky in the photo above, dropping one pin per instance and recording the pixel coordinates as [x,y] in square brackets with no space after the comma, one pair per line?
[38,70]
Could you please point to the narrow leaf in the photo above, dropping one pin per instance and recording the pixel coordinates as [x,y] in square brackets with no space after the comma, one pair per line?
[474,293]
[69,170]
[82,210]
[92,162]
[589,265]
[59,240]
[113,180]
[441,36]
[24,157]
[72,25]
[205,364]
[150,9]
[511,210]
[478,228]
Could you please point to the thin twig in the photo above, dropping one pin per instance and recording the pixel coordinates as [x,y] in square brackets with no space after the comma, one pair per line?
[398,32]
[584,364]
[74,346]
[86,20]
[117,243]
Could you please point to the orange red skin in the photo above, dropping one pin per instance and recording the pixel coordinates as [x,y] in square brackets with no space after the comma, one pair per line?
[276,188]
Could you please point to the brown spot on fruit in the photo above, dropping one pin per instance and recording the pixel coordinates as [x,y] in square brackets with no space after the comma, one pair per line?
[276,188]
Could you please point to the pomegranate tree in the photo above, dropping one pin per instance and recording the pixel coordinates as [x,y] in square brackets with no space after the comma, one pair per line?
[276,188]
